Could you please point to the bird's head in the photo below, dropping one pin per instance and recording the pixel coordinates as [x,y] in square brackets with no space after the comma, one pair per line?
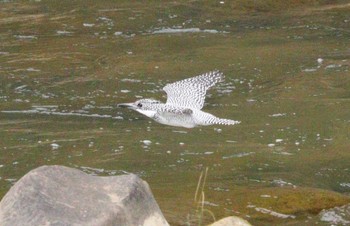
[143,106]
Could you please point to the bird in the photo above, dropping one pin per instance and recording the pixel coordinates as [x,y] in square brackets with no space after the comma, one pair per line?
[185,99]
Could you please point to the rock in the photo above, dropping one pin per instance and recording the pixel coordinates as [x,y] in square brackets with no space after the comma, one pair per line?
[231,221]
[58,195]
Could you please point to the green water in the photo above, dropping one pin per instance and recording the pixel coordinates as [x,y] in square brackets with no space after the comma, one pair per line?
[64,66]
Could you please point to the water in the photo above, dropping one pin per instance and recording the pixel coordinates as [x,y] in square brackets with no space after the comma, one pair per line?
[64,67]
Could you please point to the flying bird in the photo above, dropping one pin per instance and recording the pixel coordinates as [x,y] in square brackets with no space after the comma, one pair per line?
[185,99]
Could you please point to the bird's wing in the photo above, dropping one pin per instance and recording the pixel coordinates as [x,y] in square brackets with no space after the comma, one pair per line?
[191,92]
[169,109]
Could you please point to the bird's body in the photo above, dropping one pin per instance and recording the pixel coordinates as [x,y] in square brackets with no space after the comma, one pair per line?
[184,103]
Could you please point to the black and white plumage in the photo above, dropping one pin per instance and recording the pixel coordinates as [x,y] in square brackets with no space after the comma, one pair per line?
[185,99]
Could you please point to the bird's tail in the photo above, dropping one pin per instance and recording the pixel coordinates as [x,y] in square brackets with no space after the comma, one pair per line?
[223,121]
[205,119]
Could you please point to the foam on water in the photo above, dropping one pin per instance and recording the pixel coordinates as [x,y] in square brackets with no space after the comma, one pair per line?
[51,110]
[185,30]
[272,213]
[336,216]
[36,111]
[25,36]
[238,155]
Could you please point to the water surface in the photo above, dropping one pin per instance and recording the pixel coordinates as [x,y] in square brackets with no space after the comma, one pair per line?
[64,67]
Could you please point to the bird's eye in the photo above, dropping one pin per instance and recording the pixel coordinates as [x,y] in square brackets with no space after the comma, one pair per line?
[139,105]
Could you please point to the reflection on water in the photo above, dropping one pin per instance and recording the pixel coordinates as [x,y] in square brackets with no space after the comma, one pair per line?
[64,67]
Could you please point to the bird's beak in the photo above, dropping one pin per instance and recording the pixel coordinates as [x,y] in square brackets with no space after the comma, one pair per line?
[126,105]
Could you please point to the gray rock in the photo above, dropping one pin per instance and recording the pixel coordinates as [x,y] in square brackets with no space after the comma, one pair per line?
[58,195]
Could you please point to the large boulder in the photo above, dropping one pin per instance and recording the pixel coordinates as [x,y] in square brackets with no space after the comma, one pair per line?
[58,195]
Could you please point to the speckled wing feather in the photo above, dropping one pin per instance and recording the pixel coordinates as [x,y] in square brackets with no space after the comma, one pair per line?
[191,92]
[170,109]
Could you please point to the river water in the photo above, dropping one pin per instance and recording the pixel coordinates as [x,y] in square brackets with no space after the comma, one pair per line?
[64,65]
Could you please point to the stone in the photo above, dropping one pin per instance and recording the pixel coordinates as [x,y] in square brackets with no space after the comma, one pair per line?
[59,195]
[231,221]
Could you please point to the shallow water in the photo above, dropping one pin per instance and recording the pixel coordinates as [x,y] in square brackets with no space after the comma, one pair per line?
[64,67]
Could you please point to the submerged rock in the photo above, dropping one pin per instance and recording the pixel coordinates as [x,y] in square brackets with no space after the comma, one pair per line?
[279,205]
[58,195]
[296,200]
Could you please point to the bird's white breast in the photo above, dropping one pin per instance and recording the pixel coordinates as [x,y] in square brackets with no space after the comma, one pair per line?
[148,113]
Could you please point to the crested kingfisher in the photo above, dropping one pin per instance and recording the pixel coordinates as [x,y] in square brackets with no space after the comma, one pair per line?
[185,99]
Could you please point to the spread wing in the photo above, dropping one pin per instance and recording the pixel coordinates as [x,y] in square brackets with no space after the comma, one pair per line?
[191,92]
[175,110]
